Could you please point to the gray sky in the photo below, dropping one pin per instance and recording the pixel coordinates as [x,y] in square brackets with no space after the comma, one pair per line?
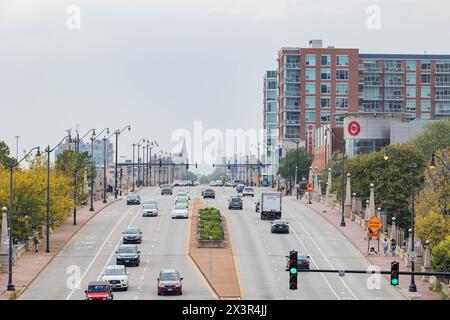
[161,65]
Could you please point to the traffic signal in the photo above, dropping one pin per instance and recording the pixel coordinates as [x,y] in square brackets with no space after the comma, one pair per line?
[395,268]
[187,166]
[160,163]
[196,165]
[293,270]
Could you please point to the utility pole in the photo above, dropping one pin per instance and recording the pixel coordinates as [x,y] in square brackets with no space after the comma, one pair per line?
[17,147]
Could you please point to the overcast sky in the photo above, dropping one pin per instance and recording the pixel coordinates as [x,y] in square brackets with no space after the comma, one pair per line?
[160,65]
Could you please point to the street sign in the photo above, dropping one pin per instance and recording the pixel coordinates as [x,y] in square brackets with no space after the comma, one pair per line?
[412,256]
[374,235]
[374,224]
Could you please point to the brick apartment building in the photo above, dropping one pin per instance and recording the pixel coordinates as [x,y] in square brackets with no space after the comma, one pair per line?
[317,86]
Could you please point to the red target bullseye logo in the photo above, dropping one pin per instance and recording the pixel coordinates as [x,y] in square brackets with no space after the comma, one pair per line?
[353,128]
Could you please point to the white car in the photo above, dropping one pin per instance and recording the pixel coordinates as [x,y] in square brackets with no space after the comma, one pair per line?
[248,192]
[180,211]
[117,276]
[149,210]
[184,194]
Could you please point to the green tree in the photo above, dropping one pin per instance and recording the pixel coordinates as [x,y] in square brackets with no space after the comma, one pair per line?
[435,136]
[4,154]
[441,256]
[290,161]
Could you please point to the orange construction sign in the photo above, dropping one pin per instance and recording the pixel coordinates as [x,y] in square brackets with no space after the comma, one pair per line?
[372,234]
[374,224]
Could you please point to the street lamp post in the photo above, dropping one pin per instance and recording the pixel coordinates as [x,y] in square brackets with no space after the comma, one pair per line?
[412,284]
[152,145]
[117,133]
[93,166]
[132,168]
[10,286]
[296,170]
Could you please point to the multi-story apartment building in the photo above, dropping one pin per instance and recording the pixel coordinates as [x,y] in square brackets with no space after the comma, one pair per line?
[270,124]
[317,86]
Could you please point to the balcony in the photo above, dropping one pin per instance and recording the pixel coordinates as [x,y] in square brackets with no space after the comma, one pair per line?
[393,70]
[292,123]
[292,79]
[292,94]
[443,97]
[370,109]
[442,111]
[393,97]
[372,83]
[292,108]
[288,65]
[393,83]
[393,109]
[292,136]
[444,68]
[442,83]
[371,97]
[370,69]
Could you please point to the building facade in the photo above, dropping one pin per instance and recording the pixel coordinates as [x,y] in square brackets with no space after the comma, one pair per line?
[317,86]
[270,108]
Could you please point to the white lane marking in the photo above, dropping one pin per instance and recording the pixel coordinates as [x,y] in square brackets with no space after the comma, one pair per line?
[324,256]
[313,261]
[98,252]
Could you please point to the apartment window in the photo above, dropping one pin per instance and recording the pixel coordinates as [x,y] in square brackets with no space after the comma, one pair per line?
[425,116]
[411,65]
[341,74]
[271,118]
[325,60]
[310,59]
[292,75]
[425,105]
[342,88]
[292,61]
[292,132]
[325,116]
[325,74]
[310,102]
[310,116]
[271,95]
[425,65]
[325,88]
[426,78]
[272,106]
[339,118]
[325,102]
[425,92]
[292,103]
[310,74]
[272,84]
[342,60]
[411,92]
[410,105]
[342,103]
[411,78]
[310,88]
[292,117]
[410,118]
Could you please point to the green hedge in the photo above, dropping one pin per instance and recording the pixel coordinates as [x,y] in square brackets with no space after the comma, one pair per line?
[210,225]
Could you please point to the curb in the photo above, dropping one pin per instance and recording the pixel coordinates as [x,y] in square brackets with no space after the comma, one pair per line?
[317,211]
[241,296]
[20,291]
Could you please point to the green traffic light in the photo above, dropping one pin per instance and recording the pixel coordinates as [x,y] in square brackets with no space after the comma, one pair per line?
[394,282]
[293,270]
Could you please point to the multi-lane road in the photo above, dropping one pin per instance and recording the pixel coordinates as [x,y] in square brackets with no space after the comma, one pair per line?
[260,255]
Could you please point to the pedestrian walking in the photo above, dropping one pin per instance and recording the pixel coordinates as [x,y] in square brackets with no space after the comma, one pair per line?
[37,243]
[386,247]
[393,247]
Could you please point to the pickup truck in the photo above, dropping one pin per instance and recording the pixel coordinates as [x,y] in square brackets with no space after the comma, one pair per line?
[270,205]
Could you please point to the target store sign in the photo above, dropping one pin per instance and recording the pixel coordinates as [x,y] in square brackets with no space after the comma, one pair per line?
[353,128]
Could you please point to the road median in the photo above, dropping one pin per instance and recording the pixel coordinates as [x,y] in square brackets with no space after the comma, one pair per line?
[216,263]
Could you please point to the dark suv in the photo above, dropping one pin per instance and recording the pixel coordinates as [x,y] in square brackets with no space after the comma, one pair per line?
[208,193]
[128,255]
[166,189]
[133,199]
[235,203]
[169,281]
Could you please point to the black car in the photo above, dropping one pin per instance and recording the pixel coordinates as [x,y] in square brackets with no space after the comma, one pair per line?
[132,235]
[235,203]
[166,189]
[133,199]
[280,226]
[128,255]
[208,193]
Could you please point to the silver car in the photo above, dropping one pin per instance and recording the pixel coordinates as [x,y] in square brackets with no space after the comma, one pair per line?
[149,210]
[117,276]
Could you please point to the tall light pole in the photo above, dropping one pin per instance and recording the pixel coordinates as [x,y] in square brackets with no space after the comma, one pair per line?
[17,147]
[48,150]
[132,167]
[117,133]
[94,168]
[152,145]
[12,164]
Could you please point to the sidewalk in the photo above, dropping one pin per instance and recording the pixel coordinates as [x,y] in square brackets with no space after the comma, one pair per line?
[30,264]
[355,234]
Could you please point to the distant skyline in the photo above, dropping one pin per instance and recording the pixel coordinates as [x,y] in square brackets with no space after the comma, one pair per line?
[161,65]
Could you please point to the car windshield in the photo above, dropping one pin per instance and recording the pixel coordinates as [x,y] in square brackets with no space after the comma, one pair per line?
[181,200]
[114,271]
[98,288]
[132,197]
[249,189]
[149,206]
[127,250]
[280,222]
[166,276]
[180,206]
[236,199]
[132,231]
[182,194]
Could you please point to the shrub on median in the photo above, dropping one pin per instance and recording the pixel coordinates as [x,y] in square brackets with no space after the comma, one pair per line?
[210,225]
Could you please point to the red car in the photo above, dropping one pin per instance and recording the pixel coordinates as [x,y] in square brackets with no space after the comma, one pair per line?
[169,282]
[99,290]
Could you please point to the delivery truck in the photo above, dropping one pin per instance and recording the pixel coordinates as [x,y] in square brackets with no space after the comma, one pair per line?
[270,205]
